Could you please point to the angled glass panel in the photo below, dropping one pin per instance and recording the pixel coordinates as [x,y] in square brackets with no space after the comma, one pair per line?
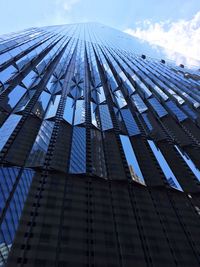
[148,123]
[189,111]
[170,177]
[106,121]
[98,159]
[189,162]
[9,224]
[79,112]
[15,95]
[52,109]
[69,110]
[140,105]
[7,73]
[7,128]
[133,165]
[142,86]
[94,115]
[5,57]
[129,86]
[101,95]
[130,122]
[78,151]
[177,111]
[158,107]
[40,147]
[41,104]
[161,93]
[120,99]
[29,79]
[113,83]
[24,101]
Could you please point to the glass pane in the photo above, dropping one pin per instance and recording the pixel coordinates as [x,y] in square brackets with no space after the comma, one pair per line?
[69,110]
[24,101]
[189,162]
[140,105]
[177,111]
[7,128]
[39,149]
[7,73]
[130,122]
[15,95]
[157,107]
[78,151]
[106,121]
[170,177]
[95,117]
[53,107]
[120,99]
[42,103]
[79,112]
[133,165]
[101,94]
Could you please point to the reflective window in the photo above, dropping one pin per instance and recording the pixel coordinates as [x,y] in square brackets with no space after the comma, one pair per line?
[40,147]
[4,57]
[170,177]
[29,79]
[106,121]
[98,159]
[7,73]
[24,101]
[129,86]
[189,111]
[15,95]
[94,116]
[157,107]
[130,122]
[101,94]
[41,105]
[113,83]
[142,86]
[160,92]
[189,162]
[120,99]
[78,151]
[79,112]
[140,105]
[177,111]
[52,109]
[7,128]
[133,165]
[148,123]
[10,222]
[69,110]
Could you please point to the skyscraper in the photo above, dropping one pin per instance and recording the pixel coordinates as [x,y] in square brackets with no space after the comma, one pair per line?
[99,150]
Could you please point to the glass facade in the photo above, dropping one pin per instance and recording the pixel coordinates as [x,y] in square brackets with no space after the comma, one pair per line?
[112,139]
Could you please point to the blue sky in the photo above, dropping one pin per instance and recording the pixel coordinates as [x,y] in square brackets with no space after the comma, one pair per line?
[149,20]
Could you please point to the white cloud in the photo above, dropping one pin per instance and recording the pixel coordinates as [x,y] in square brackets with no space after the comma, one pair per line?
[63,11]
[67,5]
[179,40]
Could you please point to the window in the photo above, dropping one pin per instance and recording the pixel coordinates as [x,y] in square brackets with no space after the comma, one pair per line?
[157,107]
[52,109]
[133,165]
[106,121]
[78,151]
[69,110]
[7,129]
[189,162]
[170,177]
[140,105]
[130,122]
